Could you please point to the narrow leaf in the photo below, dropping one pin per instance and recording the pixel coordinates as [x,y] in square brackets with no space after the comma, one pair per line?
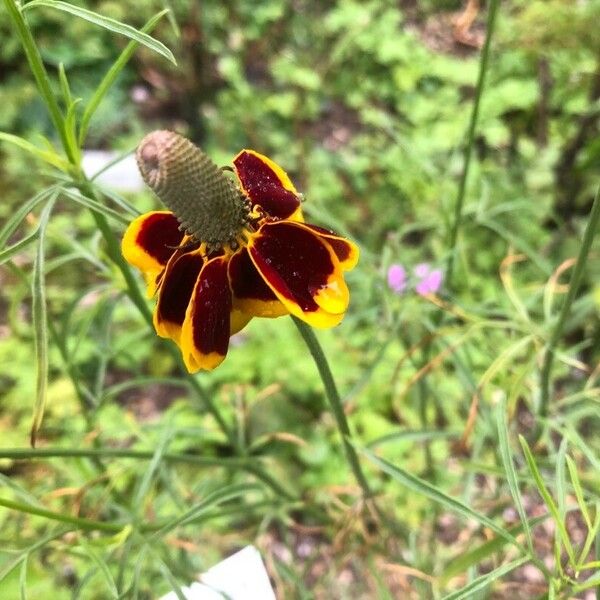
[94,205]
[433,493]
[482,582]
[509,467]
[9,252]
[545,494]
[106,23]
[112,75]
[578,491]
[38,291]
[13,223]
[52,158]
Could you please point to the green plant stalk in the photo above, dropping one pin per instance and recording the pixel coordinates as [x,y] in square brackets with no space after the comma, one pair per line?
[114,252]
[462,187]
[84,524]
[250,464]
[574,283]
[40,74]
[335,401]
[113,246]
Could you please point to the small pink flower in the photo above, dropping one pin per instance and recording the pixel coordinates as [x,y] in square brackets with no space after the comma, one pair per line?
[430,279]
[396,278]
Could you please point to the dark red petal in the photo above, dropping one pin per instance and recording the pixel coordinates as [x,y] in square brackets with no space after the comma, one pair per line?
[345,250]
[206,330]
[246,281]
[251,295]
[159,236]
[266,184]
[340,245]
[177,285]
[302,270]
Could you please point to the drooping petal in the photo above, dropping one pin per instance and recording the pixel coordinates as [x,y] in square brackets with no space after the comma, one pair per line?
[206,328]
[302,270]
[347,252]
[267,185]
[251,294]
[177,285]
[149,242]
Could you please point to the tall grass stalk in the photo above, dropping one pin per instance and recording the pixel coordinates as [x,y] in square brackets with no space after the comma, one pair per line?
[574,283]
[468,152]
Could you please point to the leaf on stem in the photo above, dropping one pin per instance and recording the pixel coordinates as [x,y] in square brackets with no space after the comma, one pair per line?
[38,291]
[106,23]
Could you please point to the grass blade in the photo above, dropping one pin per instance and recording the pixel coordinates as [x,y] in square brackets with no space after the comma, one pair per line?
[578,491]
[106,23]
[482,582]
[213,499]
[433,493]
[40,327]
[545,494]
[102,566]
[509,467]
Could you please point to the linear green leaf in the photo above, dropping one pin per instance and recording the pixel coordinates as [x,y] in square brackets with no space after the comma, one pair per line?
[485,580]
[106,23]
[433,493]
[101,564]
[13,223]
[52,158]
[39,315]
[545,494]
[9,252]
[94,205]
[112,75]
[509,467]
[213,499]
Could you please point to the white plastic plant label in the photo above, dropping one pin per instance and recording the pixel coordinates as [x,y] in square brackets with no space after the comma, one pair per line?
[241,576]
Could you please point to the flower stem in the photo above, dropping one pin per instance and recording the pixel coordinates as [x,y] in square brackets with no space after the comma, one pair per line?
[468,152]
[39,72]
[588,237]
[335,401]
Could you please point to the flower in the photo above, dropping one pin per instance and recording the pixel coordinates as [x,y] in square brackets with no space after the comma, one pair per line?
[430,279]
[396,277]
[229,250]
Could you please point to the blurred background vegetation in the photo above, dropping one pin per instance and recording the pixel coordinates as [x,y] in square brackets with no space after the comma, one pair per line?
[366,104]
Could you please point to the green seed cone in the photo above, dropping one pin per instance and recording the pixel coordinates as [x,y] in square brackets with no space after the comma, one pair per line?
[206,202]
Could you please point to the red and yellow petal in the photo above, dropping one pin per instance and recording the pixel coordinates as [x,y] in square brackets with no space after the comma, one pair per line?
[302,271]
[347,252]
[267,185]
[251,294]
[206,328]
[176,287]
[149,242]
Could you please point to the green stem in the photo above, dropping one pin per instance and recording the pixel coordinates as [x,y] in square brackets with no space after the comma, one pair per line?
[588,237]
[334,401]
[39,72]
[460,199]
[249,464]
[84,524]
[114,252]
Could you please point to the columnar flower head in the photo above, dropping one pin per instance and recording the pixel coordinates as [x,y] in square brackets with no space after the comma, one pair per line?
[230,248]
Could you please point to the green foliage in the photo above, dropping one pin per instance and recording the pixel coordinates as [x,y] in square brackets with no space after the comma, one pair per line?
[146,476]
